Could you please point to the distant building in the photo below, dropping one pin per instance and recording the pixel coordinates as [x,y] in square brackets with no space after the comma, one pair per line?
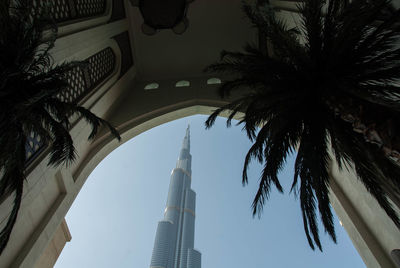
[138,82]
[174,242]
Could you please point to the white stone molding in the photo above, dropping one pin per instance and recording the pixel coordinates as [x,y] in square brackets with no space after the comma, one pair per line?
[49,192]
[372,232]
[73,26]
[83,44]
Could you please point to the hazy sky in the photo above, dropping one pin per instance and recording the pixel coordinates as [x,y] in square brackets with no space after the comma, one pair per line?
[114,218]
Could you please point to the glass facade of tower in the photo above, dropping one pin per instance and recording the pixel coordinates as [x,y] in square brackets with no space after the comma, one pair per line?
[174,241]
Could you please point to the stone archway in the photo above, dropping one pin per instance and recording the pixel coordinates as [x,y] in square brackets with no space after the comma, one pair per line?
[62,186]
[122,99]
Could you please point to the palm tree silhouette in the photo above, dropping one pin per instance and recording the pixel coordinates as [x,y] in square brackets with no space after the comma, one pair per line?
[326,89]
[29,85]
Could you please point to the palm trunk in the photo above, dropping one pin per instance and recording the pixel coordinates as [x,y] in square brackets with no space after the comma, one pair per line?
[378,127]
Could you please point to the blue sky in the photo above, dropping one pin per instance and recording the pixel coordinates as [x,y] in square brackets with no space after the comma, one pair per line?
[114,218]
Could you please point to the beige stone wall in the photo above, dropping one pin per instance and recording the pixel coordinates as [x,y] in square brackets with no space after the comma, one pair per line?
[50,192]
[372,232]
[55,246]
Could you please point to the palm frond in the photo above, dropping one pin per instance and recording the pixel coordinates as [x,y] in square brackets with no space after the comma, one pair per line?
[13,175]
[29,85]
[95,121]
[336,90]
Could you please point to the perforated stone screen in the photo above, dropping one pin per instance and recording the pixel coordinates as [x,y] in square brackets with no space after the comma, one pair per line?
[82,80]
[77,83]
[33,147]
[101,65]
[88,8]
[66,10]
[61,10]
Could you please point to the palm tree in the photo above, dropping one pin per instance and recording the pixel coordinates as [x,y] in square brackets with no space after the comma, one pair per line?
[29,85]
[326,89]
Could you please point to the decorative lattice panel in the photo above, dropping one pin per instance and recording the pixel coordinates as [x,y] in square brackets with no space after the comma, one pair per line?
[66,10]
[101,65]
[81,80]
[89,8]
[76,80]
[33,147]
[61,10]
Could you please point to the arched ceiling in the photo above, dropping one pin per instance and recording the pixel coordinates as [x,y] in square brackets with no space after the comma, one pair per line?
[214,25]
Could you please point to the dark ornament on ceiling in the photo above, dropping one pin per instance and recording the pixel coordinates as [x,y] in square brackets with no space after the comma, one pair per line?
[163,14]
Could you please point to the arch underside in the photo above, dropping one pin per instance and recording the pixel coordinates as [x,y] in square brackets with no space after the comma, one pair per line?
[123,100]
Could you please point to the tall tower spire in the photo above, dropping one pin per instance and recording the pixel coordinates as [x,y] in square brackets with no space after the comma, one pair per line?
[187,138]
[174,242]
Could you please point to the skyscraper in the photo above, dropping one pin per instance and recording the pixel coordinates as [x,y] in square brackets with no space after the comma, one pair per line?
[174,242]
